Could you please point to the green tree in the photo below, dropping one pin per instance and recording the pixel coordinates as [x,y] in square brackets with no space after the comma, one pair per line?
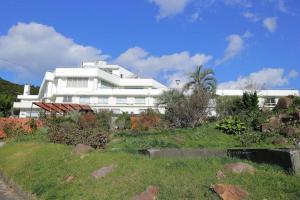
[6,102]
[202,79]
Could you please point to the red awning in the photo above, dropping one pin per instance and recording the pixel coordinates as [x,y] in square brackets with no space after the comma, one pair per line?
[62,107]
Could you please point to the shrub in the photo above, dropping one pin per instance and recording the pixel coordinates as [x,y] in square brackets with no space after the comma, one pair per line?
[249,138]
[87,120]
[71,134]
[123,121]
[104,119]
[231,125]
[227,105]
[185,110]
[146,121]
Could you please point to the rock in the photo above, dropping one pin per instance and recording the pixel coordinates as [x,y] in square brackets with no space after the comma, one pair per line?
[274,123]
[150,193]
[102,172]
[81,149]
[291,132]
[284,102]
[238,168]
[265,127]
[70,179]
[280,141]
[230,192]
[2,144]
[220,175]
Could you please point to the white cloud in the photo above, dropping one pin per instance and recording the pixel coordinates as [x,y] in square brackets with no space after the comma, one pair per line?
[266,77]
[282,7]
[37,48]
[169,66]
[170,7]
[293,73]
[251,16]
[270,23]
[234,47]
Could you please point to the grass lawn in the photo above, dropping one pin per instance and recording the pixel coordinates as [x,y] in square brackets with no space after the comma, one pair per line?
[205,136]
[42,167]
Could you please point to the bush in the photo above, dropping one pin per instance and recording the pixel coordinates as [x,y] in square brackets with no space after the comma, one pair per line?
[227,105]
[185,110]
[104,119]
[123,121]
[147,120]
[249,138]
[71,134]
[231,125]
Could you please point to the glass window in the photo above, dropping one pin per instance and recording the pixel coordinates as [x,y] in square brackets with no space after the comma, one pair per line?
[77,82]
[84,100]
[67,99]
[121,100]
[270,101]
[105,85]
[103,100]
[140,100]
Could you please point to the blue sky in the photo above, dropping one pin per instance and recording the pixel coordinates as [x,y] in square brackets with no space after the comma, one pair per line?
[245,42]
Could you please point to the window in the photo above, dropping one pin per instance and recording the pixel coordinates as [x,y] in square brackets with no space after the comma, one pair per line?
[67,99]
[116,111]
[121,100]
[270,101]
[77,82]
[84,100]
[104,85]
[103,100]
[140,100]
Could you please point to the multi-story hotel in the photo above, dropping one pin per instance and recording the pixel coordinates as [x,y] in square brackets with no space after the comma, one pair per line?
[98,84]
[104,86]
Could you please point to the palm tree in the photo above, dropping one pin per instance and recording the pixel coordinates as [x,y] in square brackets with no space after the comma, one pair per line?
[202,79]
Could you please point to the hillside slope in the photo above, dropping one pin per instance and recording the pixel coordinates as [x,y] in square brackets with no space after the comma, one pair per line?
[7,87]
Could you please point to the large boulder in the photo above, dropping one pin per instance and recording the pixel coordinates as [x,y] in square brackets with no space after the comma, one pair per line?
[280,141]
[284,102]
[239,168]
[230,192]
[150,193]
[291,132]
[102,172]
[80,149]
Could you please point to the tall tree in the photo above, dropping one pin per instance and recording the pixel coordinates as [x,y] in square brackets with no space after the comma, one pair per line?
[202,78]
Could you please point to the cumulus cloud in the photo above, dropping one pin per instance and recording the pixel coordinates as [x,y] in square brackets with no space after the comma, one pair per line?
[234,47]
[169,8]
[171,66]
[270,23]
[33,48]
[251,16]
[293,73]
[266,77]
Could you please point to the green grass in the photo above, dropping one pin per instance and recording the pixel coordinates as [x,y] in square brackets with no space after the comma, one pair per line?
[205,136]
[42,167]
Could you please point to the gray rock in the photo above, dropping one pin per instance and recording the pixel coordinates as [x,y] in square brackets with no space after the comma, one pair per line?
[240,167]
[102,172]
[81,149]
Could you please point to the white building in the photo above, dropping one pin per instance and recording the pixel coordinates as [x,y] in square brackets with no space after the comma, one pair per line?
[266,98]
[104,86]
[98,84]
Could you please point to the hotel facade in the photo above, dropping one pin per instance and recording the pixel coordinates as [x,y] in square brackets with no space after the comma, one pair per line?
[111,87]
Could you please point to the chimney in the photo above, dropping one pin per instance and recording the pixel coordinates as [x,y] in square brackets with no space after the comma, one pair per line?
[26,90]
